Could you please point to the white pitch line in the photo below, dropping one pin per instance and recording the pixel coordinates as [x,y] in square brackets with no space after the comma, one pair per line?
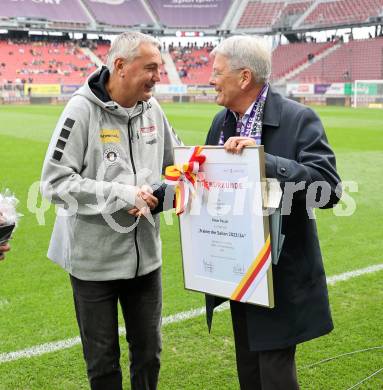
[352,274]
[172,319]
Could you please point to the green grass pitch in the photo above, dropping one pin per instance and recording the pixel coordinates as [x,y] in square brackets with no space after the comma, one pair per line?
[35,296]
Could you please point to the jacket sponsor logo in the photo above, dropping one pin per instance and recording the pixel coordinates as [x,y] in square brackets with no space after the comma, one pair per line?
[108,136]
[148,129]
[111,155]
[149,134]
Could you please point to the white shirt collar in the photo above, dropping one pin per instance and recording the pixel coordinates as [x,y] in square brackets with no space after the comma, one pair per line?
[246,114]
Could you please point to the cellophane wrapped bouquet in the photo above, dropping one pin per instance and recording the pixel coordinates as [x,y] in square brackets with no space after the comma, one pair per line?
[9,216]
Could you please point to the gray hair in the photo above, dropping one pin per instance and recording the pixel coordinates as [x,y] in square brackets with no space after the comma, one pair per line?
[126,46]
[244,51]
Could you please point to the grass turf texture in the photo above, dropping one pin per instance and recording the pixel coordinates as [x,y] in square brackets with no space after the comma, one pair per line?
[35,296]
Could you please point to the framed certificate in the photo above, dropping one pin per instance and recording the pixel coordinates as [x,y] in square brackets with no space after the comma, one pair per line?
[225,238]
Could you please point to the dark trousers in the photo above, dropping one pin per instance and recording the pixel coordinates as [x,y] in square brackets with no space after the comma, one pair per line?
[261,370]
[97,316]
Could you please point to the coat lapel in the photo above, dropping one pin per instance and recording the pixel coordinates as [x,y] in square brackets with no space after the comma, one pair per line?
[273,109]
[229,126]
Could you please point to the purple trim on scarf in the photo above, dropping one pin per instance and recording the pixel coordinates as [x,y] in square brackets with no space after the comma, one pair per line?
[253,125]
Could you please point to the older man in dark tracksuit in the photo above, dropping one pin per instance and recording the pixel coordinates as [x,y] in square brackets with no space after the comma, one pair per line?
[297,155]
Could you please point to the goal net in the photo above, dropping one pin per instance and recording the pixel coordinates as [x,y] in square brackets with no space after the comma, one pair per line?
[368,93]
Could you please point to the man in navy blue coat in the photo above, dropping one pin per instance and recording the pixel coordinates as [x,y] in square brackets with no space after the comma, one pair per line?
[298,155]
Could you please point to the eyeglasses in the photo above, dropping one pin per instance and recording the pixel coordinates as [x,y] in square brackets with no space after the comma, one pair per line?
[216,73]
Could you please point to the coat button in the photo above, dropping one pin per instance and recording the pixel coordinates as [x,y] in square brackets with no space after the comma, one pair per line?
[283,170]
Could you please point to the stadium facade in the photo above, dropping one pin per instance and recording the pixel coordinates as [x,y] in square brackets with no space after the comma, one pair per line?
[48,68]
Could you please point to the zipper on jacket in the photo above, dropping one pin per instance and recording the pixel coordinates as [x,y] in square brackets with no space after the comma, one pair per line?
[130,135]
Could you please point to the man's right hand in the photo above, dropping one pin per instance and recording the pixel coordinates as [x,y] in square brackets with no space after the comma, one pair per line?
[235,145]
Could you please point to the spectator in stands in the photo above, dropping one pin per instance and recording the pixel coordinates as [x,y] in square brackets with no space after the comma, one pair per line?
[297,152]
[346,75]
[183,73]
[111,142]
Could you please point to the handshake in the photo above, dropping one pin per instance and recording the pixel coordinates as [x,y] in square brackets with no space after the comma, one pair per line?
[145,201]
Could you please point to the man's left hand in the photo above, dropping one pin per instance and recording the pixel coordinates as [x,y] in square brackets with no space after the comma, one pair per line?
[235,145]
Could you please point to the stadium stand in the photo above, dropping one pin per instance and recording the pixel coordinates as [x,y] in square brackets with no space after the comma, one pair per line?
[342,12]
[202,14]
[194,64]
[125,13]
[47,62]
[355,60]
[66,62]
[42,62]
[259,14]
[291,13]
[115,16]
[101,50]
[288,57]
[264,15]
